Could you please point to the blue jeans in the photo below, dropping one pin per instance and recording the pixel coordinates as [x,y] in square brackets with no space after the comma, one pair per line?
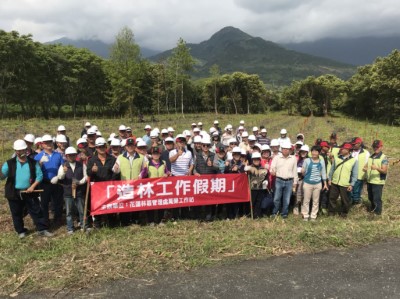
[282,193]
[69,204]
[375,197]
[356,192]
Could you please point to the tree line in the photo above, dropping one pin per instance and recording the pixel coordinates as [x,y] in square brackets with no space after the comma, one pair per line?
[41,80]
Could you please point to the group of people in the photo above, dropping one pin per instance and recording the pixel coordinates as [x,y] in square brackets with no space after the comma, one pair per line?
[49,173]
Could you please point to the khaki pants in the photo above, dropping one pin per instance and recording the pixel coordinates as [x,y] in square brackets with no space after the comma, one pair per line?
[311,192]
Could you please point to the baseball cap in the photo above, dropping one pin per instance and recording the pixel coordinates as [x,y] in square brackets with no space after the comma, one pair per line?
[156,149]
[220,148]
[377,143]
[324,144]
[130,141]
[357,140]
[347,145]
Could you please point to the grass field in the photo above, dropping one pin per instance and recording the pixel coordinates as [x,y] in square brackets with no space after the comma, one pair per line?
[78,261]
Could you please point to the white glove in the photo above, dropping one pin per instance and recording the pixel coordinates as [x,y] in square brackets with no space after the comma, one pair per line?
[247,168]
[44,159]
[54,180]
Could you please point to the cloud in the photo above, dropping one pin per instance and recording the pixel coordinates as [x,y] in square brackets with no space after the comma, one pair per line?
[159,24]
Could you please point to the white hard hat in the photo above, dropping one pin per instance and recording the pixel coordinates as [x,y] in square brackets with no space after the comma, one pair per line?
[147,127]
[194,124]
[115,142]
[100,141]
[265,147]
[171,129]
[139,139]
[61,138]
[232,140]
[243,152]
[215,134]
[264,130]
[157,130]
[122,128]
[128,129]
[29,138]
[255,129]
[283,132]
[197,139]
[123,142]
[258,145]
[141,143]
[98,134]
[216,122]
[91,131]
[164,131]
[286,144]
[206,140]
[47,137]
[170,139]
[241,128]
[88,124]
[245,134]
[195,130]
[274,142]
[256,155]
[95,128]
[299,142]
[19,145]
[71,151]
[153,134]
[305,148]
[236,149]
[212,130]
[200,123]
[112,135]
[204,133]
[80,141]
[229,127]
[38,140]
[61,128]
[252,138]
[241,122]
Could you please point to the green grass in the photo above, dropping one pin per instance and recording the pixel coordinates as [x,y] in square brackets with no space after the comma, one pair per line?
[79,260]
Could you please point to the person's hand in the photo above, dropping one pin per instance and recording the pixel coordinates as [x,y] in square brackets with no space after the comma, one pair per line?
[180,151]
[227,163]
[95,168]
[197,174]
[294,188]
[65,168]
[325,187]
[349,188]
[374,167]
[365,168]
[329,182]
[30,189]
[235,168]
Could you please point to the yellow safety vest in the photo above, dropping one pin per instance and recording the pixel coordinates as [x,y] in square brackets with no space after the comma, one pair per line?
[342,174]
[374,176]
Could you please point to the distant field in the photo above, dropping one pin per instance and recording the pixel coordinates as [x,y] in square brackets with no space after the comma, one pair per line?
[78,261]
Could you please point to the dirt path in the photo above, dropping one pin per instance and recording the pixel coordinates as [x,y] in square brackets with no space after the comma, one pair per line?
[367,272]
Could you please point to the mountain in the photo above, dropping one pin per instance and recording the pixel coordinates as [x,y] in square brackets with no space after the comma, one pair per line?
[97,46]
[234,50]
[356,51]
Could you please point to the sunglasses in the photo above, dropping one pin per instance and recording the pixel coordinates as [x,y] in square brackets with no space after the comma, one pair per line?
[205,145]
[100,146]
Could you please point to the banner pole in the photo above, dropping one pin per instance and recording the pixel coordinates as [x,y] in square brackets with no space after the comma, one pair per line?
[251,200]
[86,205]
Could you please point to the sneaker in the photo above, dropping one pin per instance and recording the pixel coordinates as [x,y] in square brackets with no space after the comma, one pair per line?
[22,235]
[70,232]
[296,211]
[45,233]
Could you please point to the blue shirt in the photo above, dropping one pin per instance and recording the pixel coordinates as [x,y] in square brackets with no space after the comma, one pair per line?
[50,168]
[23,174]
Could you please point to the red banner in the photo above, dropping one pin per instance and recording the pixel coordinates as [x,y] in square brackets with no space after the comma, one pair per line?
[165,193]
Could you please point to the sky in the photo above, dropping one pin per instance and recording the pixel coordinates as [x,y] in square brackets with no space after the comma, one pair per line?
[158,24]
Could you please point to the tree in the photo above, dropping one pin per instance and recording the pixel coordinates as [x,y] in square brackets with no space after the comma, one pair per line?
[124,70]
[215,74]
[180,63]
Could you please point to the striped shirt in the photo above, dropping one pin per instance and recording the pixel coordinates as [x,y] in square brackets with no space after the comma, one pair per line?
[181,166]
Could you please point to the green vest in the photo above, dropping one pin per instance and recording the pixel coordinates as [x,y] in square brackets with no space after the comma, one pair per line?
[335,151]
[374,176]
[361,163]
[128,171]
[154,172]
[342,174]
